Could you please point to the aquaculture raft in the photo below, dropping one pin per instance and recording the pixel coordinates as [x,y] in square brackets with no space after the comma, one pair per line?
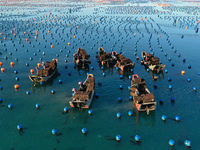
[151,62]
[43,75]
[142,98]
[83,97]
[81,58]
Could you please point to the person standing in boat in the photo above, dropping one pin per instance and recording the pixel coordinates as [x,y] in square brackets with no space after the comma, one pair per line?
[82,87]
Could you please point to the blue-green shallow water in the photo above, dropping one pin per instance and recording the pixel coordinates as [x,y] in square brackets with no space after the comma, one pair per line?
[103,124]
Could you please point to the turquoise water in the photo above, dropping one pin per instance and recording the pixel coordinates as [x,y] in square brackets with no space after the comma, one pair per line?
[113,32]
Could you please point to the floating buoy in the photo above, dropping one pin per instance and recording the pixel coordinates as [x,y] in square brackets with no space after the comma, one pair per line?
[182,72]
[66,110]
[84,130]
[159,36]
[184,60]
[155,86]
[2,70]
[99,83]
[20,127]
[32,71]
[170,86]
[118,138]
[54,131]
[148,69]
[172,99]
[121,76]
[104,74]
[161,101]
[69,74]
[90,112]
[26,40]
[118,115]
[171,142]
[51,46]
[137,138]
[137,58]
[16,86]
[28,92]
[194,88]
[130,97]
[169,79]
[12,64]
[10,106]
[130,77]
[42,82]
[187,143]
[97,95]
[155,77]
[69,44]
[189,67]
[163,117]
[189,80]
[1,88]
[1,100]
[117,68]
[121,87]
[1,63]
[37,105]
[130,113]
[52,91]
[60,81]
[119,99]
[177,118]
[39,65]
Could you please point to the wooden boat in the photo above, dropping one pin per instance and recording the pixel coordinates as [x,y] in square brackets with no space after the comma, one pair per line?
[81,58]
[82,98]
[142,98]
[104,58]
[123,63]
[43,75]
[151,62]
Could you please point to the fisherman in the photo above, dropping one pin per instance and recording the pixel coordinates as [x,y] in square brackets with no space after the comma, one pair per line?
[82,87]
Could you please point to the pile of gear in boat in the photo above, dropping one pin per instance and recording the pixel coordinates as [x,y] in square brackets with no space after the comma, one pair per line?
[81,58]
[118,60]
[48,68]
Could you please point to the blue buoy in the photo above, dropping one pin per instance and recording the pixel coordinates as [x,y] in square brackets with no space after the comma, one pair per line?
[148,69]
[130,113]
[66,66]
[194,88]
[66,60]
[118,138]
[121,87]
[155,86]
[169,59]
[60,81]
[97,95]
[118,115]
[161,101]
[84,130]
[173,64]
[132,70]
[1,100]
[90,112]
[104,74]
[163,117]
[189,67]
[172,99]
[177,118]
[171,142]
[15,71]
[121,76]
[92,68]
[129,87]
[99,83]
[120,99]
[102,68]
[37,105]
[54,131]
[184,60]
[28,92]
[187,143]
[16,59]
[137,138]
[189,80]
[20,127]
[169,79]
[69,74]
[179,55]
[10,106]
[66,110]
[17,78]
[130,97]
[52,91]
[42,82]
[1,88]
[130,77]
[170,86]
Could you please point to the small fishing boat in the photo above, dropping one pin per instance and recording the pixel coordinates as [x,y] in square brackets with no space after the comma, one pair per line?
[104,58]
[151,62]
[123,63]
[142,98]
[81,58]
[45,74]
[82,97]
